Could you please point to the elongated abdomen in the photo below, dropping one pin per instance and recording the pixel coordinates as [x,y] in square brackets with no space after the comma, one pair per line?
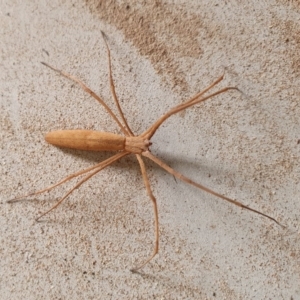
[86,140]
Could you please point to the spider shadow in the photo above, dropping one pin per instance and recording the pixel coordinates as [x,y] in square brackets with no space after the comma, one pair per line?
[165,281]
[130,162]
[95,157]
[174,160]
[179,162]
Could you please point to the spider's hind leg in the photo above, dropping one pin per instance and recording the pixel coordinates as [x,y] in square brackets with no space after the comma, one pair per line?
[191,182]
[150,194]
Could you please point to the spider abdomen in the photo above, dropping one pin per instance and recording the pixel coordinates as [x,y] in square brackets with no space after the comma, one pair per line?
[86,140]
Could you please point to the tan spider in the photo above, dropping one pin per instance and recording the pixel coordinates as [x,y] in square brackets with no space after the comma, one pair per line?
[125,145]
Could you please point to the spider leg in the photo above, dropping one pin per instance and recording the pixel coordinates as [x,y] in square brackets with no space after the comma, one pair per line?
[206,89]
[150,194]
[98,168]
[89,91]
[66,179]
[189,181]
[194,100]
[112,86]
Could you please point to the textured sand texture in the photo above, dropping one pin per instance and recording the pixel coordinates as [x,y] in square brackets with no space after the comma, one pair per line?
[243,145]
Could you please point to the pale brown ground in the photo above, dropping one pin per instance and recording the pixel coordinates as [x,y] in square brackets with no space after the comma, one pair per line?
[244,146]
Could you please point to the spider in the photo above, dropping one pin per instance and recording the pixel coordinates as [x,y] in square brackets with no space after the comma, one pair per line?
[126,144]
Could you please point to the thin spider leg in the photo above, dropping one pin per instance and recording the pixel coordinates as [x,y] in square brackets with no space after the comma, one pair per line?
[205,90]
[149,132]
[66,179]
[188,101]
[189,181]
[150,194]
[89,91]
[112,86]
[100,167]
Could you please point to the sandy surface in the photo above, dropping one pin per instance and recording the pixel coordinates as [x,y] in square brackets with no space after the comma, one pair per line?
[245,146]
